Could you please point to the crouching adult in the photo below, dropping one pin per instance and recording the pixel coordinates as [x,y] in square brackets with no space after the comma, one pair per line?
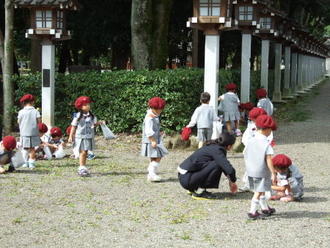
[202,170]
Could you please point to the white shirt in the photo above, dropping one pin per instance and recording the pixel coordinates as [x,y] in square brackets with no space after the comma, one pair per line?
[267,105]
[250,132]
[255,153]
[203,116]
[148,123]
[27,120]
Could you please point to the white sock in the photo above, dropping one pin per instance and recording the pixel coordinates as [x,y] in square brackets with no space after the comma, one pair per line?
[82,167]
[254,206]
[25,154]
[263,203]
[153,166]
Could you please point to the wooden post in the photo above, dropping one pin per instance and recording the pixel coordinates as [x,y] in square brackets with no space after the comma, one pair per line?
[264,63]
[294,72]
[246,67]
[211,66]
[287,73]
[277,95]
[48,82]
[195,41]
[300,72]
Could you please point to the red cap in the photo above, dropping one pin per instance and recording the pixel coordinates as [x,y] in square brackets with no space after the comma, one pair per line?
[42,127]
[256,112]
[231,86]
[9,143]
[81,101]
[27,98]
[266,121]
[248,106]
[281,160]
[157,103]
[56,132]
[186,131]
[68,130]
[261,93]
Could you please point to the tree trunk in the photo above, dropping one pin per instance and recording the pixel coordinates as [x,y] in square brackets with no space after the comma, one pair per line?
[8,99]
[1,50]
[35,55]
[141,28]
[161,10]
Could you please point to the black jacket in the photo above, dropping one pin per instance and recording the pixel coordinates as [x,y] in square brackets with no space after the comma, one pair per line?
[200,158]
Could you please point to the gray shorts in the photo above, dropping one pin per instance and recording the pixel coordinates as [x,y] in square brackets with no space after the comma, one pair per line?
[260,184]
[84,144]
[204,134]
[30,141]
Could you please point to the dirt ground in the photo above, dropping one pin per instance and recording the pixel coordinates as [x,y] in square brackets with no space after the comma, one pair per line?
[116,207]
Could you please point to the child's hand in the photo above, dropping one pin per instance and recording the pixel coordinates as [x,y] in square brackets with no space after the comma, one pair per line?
[274,181]
[70,140]
[153,144]
[233,187]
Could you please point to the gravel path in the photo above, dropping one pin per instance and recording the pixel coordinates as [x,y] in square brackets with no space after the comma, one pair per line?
[117,207]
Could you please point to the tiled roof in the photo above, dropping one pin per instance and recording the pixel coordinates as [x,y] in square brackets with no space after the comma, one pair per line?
[45,2]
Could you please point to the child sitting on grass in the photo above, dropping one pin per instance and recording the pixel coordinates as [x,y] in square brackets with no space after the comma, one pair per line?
[7,147]
[54,144]
[203,116]
[290,184]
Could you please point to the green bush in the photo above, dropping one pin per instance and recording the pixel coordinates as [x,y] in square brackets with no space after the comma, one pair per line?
[121,97]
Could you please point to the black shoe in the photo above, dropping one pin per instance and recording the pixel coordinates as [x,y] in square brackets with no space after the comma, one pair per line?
[268,212]
[254,216]
[11,168]
[203,196]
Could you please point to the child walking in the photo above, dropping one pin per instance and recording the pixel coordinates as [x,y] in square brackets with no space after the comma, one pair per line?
[204,117]
[82,132]
[28,119]
[152,145]
[259,167]
[229,103]
[264,101]
[290,184]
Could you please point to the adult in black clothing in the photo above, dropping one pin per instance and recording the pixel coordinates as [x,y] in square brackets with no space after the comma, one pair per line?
[202,170]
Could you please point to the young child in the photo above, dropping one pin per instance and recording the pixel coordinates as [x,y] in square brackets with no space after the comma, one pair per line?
[203,169]
[7,145]
[82,132]
[152,145]
[259,166]
[290,184]
[204,117]
[264,101]
[75,150]
[43,129]
[54,144]
[28,119]
[229,103]
[250,132]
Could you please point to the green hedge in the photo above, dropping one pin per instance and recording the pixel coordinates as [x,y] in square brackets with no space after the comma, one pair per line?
[121,97]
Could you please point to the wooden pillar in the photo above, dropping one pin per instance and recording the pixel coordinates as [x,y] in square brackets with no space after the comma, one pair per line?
[211,66]
[293,84]
[246,67]
[195,48]
[264,63]
[300,71]
[48,82]
[287,73]
[277,95]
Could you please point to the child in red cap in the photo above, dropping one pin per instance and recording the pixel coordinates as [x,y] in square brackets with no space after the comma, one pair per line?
[152,144]
[7,146]
[290,184]
[229,103]
[28,119]
[54,144]
[264,101]
[259,166]
[82,132]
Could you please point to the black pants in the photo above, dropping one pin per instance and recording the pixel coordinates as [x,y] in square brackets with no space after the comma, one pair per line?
[208,177]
